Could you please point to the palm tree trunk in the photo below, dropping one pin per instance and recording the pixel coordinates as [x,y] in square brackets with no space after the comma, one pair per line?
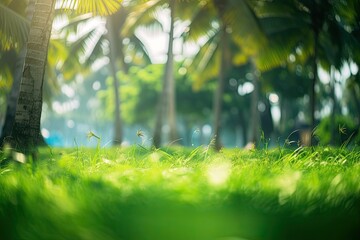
[118,134]
[119,18]
[218,97]
[313,85]
[333,110]
[255,115]
[266,119]
[13,96]
[356,99]
[171,80]
[243,124]
[159,119]
[166,104]
[26,129]
[284,112]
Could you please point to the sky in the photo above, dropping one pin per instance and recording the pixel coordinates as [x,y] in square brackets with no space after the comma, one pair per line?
[156,41]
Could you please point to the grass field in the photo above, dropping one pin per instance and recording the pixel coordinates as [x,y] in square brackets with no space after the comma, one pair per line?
[179,193]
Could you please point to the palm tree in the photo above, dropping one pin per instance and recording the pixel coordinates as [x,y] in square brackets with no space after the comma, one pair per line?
[17,39]
[26,129]
[90,47]
[166,102]
[223,23]
[349,17]
[13,34]
[58,54]
[116,37]
[166,108]
[286,22]
[59,61]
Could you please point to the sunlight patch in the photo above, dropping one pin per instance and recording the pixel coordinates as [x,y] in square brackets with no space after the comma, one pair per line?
[287,184]
[60,196]
[218,173]
[154,157]
[19,157]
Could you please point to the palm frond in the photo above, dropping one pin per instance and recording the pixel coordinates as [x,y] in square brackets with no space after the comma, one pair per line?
[96,51]
[85,43]
[142,15]
[185,9]
[57,53]
[98,7]
[203,23]
[244,23]
[73,23]
[278,49]
[139,47]
[205,64]
[6,70]
[13,28]
[288,31]
[6,80]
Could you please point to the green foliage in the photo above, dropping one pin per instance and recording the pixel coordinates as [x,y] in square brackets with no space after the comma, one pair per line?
[180,193]
[13,26]
[103,7]
[346,131]
[6,78]
[138,92]
[290,82]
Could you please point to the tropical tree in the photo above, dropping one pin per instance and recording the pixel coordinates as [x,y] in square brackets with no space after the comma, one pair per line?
[179,11]
[60,66]
[167,100]
[26,129]
[107,39]
[13,36]
[223,24]
[286,22]
[350,19]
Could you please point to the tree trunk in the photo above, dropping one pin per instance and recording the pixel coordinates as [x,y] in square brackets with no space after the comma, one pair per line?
[266,119]
[356,99]
[119,18]
[333,110]
[219,94]
[159,119]
[13,96]
[166,105]
[173,136]
[244,128]
[118,133]
[26,129]
[255,115]
[313,85]
[284,112]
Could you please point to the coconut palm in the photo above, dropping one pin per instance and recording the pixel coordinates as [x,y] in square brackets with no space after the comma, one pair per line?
[26,129]
[223,24]
[13,36]
[59,60]
[106,39]
[14,27]
[179,10]
[166,103]
[286,22]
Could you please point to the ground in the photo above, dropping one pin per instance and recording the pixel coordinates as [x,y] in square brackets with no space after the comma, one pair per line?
[182,193]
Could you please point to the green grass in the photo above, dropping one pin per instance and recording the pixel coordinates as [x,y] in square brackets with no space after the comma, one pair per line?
[179,193]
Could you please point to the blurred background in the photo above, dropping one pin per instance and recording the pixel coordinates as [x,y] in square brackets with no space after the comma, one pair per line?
[222,72]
